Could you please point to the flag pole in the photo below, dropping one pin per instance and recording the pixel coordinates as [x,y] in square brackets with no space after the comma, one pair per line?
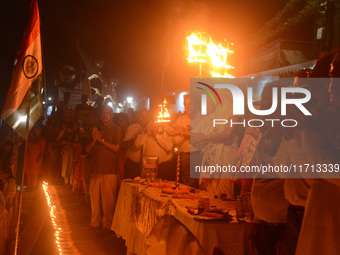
[23,175]
[44,73]
[44,77]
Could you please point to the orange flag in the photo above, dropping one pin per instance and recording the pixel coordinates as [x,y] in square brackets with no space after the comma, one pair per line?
[27,80]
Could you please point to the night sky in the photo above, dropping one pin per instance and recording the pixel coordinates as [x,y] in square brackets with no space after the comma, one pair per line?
[131,37]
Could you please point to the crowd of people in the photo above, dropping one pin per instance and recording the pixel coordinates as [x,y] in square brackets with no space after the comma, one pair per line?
[9,150]
[296,215]
[92,150]
[95,149]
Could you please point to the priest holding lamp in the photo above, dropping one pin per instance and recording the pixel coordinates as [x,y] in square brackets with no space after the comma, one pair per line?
[155,142]
[181,138]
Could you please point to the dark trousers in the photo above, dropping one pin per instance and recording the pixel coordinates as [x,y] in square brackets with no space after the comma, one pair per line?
[167,170]
[293,227]
[267,236]
[185,171]
[131,169]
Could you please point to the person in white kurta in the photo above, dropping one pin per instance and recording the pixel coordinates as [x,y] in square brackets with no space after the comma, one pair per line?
[218,146]
[156,142]
[320,231]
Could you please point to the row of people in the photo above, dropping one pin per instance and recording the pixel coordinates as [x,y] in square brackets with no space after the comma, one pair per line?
[114,155]
[94,156]
[9,144]
[294,215]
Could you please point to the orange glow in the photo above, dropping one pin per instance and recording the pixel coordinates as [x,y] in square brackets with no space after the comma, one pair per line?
[224,75]
[163,115]
[53,217]
[195,48]
[214,57]
[60,226]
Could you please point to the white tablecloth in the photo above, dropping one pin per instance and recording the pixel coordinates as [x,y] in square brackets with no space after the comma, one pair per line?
[152,223]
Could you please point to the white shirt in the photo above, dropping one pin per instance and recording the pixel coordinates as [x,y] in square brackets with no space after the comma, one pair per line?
[159,146]
[296,189]
[184,143]
[267,195]
[319,232]
[132,132]
[268,200]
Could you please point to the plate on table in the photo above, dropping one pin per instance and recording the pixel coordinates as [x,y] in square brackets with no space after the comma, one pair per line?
[186,196]
[175,191]
[137,180]
[212,216]
[131,181]
[161,185]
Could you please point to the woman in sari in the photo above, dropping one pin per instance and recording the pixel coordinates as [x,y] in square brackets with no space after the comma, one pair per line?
[34,157]
[9,191]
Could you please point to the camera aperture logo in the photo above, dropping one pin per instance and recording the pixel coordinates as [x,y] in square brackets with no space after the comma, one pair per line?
[278,94]
[205,96]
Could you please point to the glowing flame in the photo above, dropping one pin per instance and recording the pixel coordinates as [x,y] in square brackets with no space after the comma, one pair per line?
[224,75]
[218,55]
[52,215]
[195,48]
[62,233]
[210,54]
[163,115]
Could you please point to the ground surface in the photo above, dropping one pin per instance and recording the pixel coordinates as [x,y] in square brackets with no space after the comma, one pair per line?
[37,235]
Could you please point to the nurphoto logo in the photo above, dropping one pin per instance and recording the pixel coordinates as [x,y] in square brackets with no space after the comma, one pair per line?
[245,96]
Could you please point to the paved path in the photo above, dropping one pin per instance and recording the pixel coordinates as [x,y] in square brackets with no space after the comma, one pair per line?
[72,213]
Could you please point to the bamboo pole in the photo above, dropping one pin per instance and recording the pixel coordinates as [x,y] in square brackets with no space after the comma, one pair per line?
[23,175]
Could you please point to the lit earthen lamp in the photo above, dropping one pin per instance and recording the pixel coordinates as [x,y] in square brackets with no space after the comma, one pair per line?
[178,151]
